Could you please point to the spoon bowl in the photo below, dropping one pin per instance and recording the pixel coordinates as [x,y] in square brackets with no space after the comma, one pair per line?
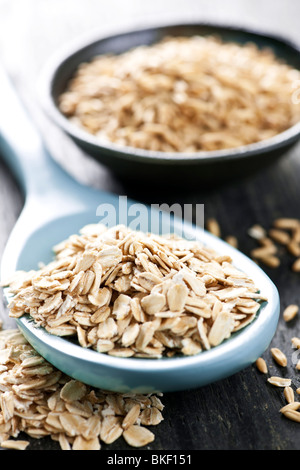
[57,206]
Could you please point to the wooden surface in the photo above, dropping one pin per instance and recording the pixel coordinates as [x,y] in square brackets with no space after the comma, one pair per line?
[241,412]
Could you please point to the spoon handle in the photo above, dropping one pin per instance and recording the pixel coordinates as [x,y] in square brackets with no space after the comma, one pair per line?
[22,147]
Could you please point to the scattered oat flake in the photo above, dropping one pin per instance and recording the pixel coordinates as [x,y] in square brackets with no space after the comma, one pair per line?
[257,232]
[14,444]
[279,236]
[286,223]
[294,248]
[264,252]
[131,416]
[232,240]
[138,436]
[86,444]
[279,357]
[279,381]
[111,429]
[295,405]
[289,394]
[292,415]
[296,342]
[261,365]
[296,265]
[290,312]
[270,261]
[213,227]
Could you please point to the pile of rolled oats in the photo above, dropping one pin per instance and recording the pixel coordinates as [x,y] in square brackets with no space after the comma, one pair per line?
[39,400]
[183,94]
[131,294]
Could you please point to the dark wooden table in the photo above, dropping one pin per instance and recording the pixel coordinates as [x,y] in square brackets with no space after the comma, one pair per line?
[241,412]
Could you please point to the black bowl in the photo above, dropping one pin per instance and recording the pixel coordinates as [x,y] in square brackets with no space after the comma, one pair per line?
[168,168]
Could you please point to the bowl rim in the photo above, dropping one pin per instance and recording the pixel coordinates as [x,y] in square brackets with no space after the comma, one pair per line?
[49,73]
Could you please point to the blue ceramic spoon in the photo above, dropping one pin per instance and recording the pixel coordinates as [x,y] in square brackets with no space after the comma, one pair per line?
[57,206]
